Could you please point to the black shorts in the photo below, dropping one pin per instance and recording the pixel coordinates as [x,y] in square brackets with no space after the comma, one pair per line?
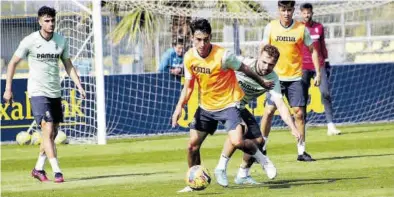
[253,131]
[47,109]
[294,92]
[207,121]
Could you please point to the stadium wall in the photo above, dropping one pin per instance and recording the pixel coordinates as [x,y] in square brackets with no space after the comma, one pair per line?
[154,95]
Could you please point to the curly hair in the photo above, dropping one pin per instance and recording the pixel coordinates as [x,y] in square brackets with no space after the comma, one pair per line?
[271,51]
[201,25]
[45,10]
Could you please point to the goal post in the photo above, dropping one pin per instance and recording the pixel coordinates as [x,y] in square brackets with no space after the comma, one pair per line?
[99,73]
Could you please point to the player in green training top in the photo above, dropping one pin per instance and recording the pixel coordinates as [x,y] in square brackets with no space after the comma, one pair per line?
[43,50]
[263,66]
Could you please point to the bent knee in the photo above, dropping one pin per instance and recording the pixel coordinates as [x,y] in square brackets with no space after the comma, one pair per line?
[258,141]
[193,147]
[299,113]
[237,143]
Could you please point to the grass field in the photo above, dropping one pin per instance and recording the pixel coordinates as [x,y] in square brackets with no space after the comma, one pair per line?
[358,163]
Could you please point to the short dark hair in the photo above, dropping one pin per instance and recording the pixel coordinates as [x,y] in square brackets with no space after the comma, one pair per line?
[178,41]
[286,3]
[271,50]
[306,6]
[201,25]
[45,10]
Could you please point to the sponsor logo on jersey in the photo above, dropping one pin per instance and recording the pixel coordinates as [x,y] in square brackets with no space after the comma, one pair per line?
[199,69]
[285,38]
[247,86]
[48,56]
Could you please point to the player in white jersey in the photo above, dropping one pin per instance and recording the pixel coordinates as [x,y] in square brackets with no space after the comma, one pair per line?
[263,66]
[43,50]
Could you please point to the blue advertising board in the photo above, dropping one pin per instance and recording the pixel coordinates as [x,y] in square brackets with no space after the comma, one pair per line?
[143,103]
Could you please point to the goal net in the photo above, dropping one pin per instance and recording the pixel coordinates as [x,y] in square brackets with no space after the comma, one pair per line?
[146,104]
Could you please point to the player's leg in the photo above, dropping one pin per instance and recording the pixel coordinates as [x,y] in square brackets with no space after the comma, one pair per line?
[193,148]
[327,102]
[249,147]
[296,96]
[58,176]
[307,75]
[49,125]
[266,121]
[232,119]
[39,107]
[200,127]
[252,133]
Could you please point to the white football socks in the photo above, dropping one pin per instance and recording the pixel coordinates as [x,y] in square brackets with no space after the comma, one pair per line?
[223,161]
[55,165]
[301,147]
[243,172]
[41,161]
[259,157]
[265,143]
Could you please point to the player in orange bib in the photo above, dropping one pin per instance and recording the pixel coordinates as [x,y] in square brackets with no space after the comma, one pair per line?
[213,68]
[290,36]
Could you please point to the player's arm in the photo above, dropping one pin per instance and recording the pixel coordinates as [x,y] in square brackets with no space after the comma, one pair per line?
[323,45]
[20,53]
[10,75]
[315,55]
[285,115]
[277,98]
[324,48]
[71,71]
[186,93]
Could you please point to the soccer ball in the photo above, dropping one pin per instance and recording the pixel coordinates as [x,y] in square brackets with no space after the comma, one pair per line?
[23,138]
[198,177]
[61,137]
[36,138]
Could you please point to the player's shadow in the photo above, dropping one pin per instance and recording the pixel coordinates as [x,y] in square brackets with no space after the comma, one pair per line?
[116,175]
[352,156]
[281,184]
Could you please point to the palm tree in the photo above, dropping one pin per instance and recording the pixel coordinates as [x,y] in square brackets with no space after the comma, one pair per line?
[140,23]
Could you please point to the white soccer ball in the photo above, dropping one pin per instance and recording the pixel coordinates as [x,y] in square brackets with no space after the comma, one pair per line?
[198,177]
[23,138]
[36,138]
[61,137]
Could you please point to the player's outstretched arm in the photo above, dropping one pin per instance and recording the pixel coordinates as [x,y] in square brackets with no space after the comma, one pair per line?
[286,116]
[316,64]
[186,93]
[10,75]
[265,84]
[71,71]
[315,55]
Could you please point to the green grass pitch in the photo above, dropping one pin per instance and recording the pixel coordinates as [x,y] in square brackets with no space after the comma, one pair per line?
[358,163]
